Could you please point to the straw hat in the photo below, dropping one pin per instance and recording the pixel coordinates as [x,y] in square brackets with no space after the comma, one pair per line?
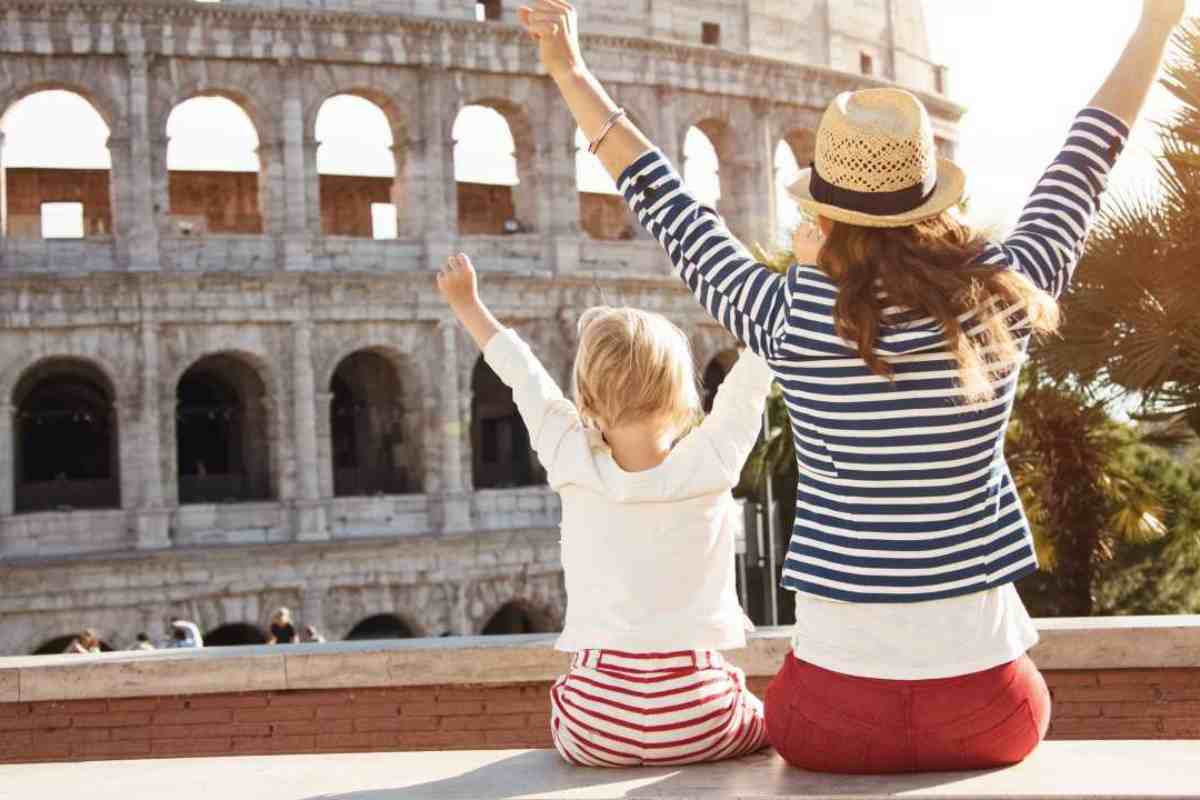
[876,164]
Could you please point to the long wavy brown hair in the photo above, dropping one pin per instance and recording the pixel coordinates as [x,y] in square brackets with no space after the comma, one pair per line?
[930,268]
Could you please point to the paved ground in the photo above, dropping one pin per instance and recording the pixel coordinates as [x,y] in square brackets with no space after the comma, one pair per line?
[1058,770]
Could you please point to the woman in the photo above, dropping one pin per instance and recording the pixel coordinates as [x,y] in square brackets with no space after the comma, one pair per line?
[282,629]
[898,354]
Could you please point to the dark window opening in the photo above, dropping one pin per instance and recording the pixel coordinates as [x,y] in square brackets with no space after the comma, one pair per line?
[381,626]
[939,79]
[487,10]
[235,634]
[502,456]
[710,33]
[513,618]
[866,63]
[374,452]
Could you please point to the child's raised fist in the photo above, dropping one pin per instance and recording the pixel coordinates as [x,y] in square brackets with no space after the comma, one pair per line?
[456,281]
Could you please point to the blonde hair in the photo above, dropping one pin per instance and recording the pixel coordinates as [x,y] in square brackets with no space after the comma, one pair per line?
[633,365]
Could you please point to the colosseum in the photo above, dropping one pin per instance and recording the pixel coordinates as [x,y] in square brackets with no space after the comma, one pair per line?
[228,391]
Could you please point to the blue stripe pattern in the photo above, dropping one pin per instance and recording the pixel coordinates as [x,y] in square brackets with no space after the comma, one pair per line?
[904,493]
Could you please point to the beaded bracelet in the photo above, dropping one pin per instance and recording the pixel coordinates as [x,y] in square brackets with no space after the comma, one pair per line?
[608,126]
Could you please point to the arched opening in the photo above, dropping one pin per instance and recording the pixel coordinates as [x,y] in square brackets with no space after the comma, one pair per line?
[381,626]
[701,166]
[235,634]
[59,644]
[373,445]
[212,168]
[357,168]
[501,453]
[602,210]
[66,451]
[714,375]
[222,443]
[516,617]
[487,167]
[55,168]
[791,152]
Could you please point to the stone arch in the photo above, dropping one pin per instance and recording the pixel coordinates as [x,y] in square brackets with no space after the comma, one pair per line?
[66,447]
[382,626]
[223,436]
[375,423]
[501,452]
[363,191]
[791,152]
[219,199]
[57,198]
[96,94]
[518,616]
[522,200]
[175,94]
[234,634]
[713,374]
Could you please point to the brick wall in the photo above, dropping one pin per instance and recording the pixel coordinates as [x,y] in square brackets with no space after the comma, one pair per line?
[1100,704]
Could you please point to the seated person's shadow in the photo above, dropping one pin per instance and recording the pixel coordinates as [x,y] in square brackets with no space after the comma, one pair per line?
[538,773]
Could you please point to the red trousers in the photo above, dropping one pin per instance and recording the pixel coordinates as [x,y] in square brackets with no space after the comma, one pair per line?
[829,722]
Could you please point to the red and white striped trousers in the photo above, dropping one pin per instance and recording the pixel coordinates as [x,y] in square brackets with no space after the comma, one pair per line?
[616,709]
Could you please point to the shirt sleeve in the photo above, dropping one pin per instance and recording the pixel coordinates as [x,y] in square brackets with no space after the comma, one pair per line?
[750,300]
[1052,230]
[549,417]
[736,417]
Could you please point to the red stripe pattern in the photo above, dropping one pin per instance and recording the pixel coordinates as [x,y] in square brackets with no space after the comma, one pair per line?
[617,709]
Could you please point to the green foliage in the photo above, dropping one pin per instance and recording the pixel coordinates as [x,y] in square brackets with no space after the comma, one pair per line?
[1131,326]
[1081,493]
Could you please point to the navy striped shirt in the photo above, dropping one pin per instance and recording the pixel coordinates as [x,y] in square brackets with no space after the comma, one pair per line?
[904,493]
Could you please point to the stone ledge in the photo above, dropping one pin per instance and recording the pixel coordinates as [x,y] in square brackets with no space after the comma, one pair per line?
[1115,769]
[1066,644]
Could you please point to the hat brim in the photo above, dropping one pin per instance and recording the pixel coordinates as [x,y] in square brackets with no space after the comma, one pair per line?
[952,183]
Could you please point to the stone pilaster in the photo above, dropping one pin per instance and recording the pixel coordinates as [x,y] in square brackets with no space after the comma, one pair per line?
[152,527]
[312,187]
[325,443]
[558,187]
[296,177]
[271,188]
[3,197]
[310,513]
[8,476]
[431,167]
[139,221]
[453,428]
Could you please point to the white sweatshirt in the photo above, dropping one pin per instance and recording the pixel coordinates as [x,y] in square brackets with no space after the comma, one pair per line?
[648,556]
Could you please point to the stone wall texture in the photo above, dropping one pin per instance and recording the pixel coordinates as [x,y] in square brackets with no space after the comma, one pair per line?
[273,281]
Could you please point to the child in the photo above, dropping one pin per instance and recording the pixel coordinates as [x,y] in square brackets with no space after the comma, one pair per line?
[647,536]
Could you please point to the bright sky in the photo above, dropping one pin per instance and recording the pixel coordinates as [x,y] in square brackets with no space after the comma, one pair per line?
[1021,67]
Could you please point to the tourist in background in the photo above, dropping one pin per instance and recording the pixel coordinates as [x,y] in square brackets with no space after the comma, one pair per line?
[143,643]
[184,634]
[311,634]
[898,349]
[282,629]
[86,642]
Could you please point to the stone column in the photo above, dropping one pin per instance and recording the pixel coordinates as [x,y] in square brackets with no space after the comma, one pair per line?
[325,443]
[309,518]
[431,166]
[406,205]
[558,187]
[454,497]
[295,251]
[3,195]
[312,187]
[8,475]
[670,128]
[152,527]
[130,200]
[271,188]
[160,183]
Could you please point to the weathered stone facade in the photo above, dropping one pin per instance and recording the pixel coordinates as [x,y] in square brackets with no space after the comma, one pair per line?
[144,317]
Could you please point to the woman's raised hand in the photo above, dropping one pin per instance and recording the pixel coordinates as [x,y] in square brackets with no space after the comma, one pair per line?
[555,26]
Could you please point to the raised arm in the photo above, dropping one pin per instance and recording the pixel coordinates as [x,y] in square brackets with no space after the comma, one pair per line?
[736,418]
[741,294]
[1052,230]
[549,417]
